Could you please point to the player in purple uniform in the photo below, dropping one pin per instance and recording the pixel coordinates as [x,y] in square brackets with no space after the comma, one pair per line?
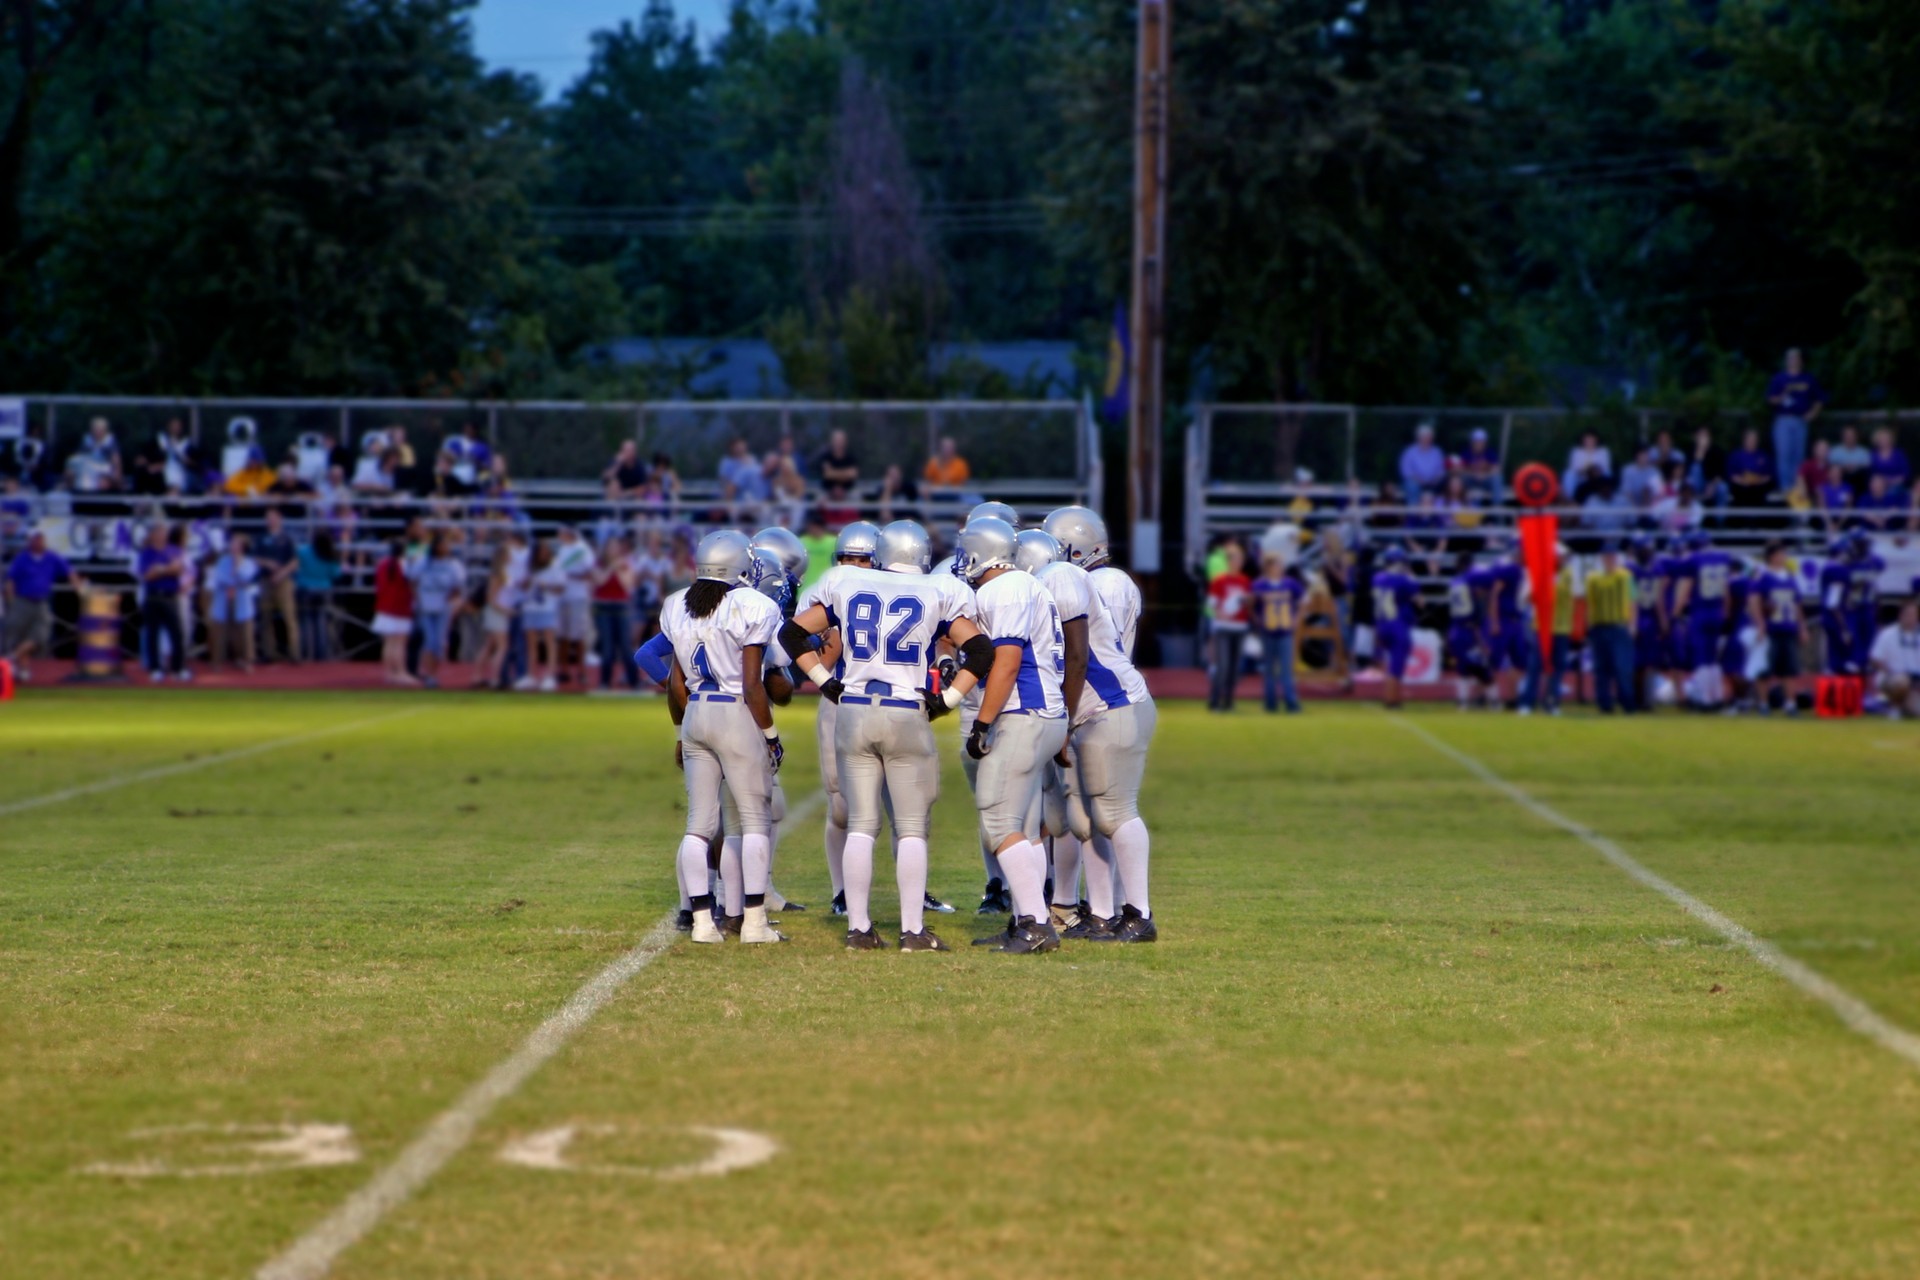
[1836,577]
[1776,611]
[1670,567]
[1863,598]
[1393,617]
[1467,643]
[1733,645]
[1649,644]
[1701,600]
[1513,645]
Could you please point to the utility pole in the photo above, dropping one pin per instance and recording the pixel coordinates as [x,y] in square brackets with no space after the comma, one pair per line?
[1145,407]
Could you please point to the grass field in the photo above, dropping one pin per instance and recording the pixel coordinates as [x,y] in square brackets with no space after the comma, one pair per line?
[1397,1025]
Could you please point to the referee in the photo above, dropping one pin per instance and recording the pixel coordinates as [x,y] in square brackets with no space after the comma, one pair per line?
[1610,630]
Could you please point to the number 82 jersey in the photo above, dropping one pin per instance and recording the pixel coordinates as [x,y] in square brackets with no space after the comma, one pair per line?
[888,625]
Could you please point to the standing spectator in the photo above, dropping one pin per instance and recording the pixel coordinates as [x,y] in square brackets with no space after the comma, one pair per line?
[30,583]
[393,613]
[613,590]
[496,620]
[743,482]
[1777,615]
[1335,570]
[626,476]
[819,542]
[540,615]
[946,469]
[316,570]
[279,560]
[1231,595]
[1797,399]
[839,470]
[1895,663]
[650,564]
[190,573]
[1565,653]
[1611,626]
[1750,473]
[439,596]
[574,559]
[1890,461]
[1277,594]
[1423,466]
[231,606]
[159,568]
[1853,459]
[1480,467]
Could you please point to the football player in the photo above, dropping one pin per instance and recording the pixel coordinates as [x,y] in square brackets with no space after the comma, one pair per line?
[1649,644]
[1110,752]
[718,700]
[1516,653]
[1701,598]
[1063,819]
[1863,598]
[889,617]
[1394,612]
[1467,642]
[1836,577]
[993,898]
[1775,606]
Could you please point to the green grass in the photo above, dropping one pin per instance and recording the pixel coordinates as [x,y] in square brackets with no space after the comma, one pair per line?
[1395,1026]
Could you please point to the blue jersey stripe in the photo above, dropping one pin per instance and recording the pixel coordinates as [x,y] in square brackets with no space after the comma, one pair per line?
[1105,683]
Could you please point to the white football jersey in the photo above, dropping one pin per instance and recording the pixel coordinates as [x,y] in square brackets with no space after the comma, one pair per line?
[1016,609]
[710,648]
[1122,597]
[888,625]
[1112,679]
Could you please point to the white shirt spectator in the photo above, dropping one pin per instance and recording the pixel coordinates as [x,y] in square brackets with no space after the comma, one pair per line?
[575,560]
[1584,457]
[1897,652]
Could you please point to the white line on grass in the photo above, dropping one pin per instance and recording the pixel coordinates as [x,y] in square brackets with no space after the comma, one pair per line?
[188,766]
[1850,1009]
[314,1253]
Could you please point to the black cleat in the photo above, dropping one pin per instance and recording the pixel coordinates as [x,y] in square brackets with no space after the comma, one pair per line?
[1090,927]
[684,921]
[995,939]
[995,900]
[931,903]
[838,907]
[729,925]
[1134,927]
[925,940]
[1029,937]
[863,939]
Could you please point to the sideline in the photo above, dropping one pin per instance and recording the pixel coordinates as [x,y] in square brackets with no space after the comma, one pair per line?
[1849,1008]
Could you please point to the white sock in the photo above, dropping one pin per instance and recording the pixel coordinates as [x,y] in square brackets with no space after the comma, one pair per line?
[756,861]
[910,870]
[1098,856]
[857,866]
[1066,869]
[836,849]
[1026,866]
[693,867]
[1130,850]
[731,890]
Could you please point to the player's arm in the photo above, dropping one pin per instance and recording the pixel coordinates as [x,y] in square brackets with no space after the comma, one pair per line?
[1757,611]
[1682,592]
[754,658]
[654,657]
[676,682]
[797,638]
[1075,678]
[779,687]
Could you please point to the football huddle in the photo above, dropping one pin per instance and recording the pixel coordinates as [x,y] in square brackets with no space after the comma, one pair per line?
[1027,634]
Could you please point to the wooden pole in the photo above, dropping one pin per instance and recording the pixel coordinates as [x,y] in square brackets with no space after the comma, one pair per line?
[1145,407]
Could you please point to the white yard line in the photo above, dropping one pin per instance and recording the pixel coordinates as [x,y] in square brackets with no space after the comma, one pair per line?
[202,762]
[1849,1008]
[313,1254]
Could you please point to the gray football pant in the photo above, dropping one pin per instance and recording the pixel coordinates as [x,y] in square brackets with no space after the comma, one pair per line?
[723,747]
[1110,757]
[888,761]
[1007,786]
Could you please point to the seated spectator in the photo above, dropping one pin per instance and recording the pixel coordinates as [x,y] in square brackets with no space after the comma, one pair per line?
[288,485]
[1884,507]
[1889,460]
[665,481]
[789,488]
[230,604]
[839,469]
[1587,483]
[1641,483]
[1706,470]
[31,580]
[626,475]
[252,480]
[1750,473]
[373,473]
[472,456]
[1602,512]
[1680,511]
[1423,466]
[1480,467]
[446,486]
[171,464]
[1666,457]
[1852,458]
[897,492]
[1588,456]
[95,464]
[1834,499]
[1895,663]
[1813,472]
[743,482]
[946,469]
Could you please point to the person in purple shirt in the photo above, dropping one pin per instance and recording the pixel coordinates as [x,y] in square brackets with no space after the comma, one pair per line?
[29,587]
[1836,577]
[1277,594]
[1669,567]
[1890,460]
[1423,467]
[1863,597]
[1649,637]
[1775,605]
[1700,599]
[1733,648]
[1514,648]
[1467,642]
[160,568]
[1797,399]
[1394,612]
[1750,472]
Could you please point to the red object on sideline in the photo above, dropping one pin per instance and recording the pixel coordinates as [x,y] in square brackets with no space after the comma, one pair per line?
[1539,535]
[6,681]
[1839,697]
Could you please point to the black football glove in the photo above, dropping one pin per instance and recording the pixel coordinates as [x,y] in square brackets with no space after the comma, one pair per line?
[948,669]
[936,705]
[832,690]
[977,741]
[775,753]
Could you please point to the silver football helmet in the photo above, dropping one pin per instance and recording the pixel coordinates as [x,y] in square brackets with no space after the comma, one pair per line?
[1082,535]
[1038,549]
[904,547]
[858,541]
[767,574]
[786,547]
[995,510]
[723,556]
[986,544]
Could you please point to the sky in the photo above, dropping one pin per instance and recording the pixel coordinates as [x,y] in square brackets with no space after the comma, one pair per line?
[550,38]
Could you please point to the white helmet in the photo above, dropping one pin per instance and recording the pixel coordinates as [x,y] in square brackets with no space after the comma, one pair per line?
[768,575]
[904,546]
[1038,549]
[986,544]
[995,510]
[723,556]
[1082,535]
[786,547]
[858,541]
